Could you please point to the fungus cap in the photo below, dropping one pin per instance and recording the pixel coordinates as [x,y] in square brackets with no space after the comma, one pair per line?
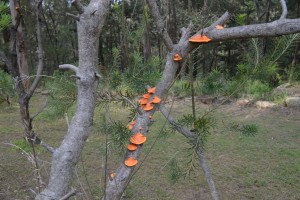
[151,90]
[177,57]
[130,162]
[138,138]
[156,100]
[130,126]
[131,147]
[146,96]
[219,27]
[112,175]
[199,38]
[143,101]
[148,107]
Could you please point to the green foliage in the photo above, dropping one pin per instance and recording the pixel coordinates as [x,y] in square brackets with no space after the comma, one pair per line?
[117,134]
[202,127]
[241,19]
[5,18]
[21,145]
[174,172]
[244,129]
[258,90]
[6,87]
[62,95]
[136,77]
[213,83]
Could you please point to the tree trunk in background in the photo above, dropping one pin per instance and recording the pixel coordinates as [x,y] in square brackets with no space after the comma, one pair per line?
[124,42]
[15,11]
[294,61]
[146,36]
[172,28]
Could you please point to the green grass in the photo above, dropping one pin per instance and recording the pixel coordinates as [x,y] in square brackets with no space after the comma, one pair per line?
[266,166]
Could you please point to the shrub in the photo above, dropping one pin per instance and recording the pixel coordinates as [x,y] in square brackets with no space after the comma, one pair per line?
[6,87]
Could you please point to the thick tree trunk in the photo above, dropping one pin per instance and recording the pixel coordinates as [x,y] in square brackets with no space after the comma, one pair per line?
[66,157]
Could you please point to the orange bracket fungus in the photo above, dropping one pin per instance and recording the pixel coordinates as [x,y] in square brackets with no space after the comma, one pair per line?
[146,96]
[138,138]
[131,124]
[148,107]
[177,57]
[130,162]
[143,101]
[112,175]
[199,39]
[156,100]
[131,147]
[219,27]
[151,90]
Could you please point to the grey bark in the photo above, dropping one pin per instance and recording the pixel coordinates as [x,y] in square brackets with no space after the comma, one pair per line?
[66,157]
[15,11]
[117,186]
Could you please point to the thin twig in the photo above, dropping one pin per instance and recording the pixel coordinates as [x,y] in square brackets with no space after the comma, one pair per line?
[133,105]
[73,16]
[40,50]
[284,9]
[40,111]
[67,119]
[47,146]
[200,152]
[69,194]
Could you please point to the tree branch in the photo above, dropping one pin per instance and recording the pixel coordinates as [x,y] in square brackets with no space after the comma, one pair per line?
[69,66]
[186,32]
[160,24]
[69,194]
[41,110]
[133,105]
[48,147]
[39,50]
[73,16]
[79,7]
[200,152]
[284,9]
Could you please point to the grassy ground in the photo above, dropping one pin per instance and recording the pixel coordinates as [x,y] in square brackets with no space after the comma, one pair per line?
[266,166]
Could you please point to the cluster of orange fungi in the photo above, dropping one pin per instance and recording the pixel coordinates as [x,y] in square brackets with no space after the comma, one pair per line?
[137,139]
[145,101]
[199,38]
